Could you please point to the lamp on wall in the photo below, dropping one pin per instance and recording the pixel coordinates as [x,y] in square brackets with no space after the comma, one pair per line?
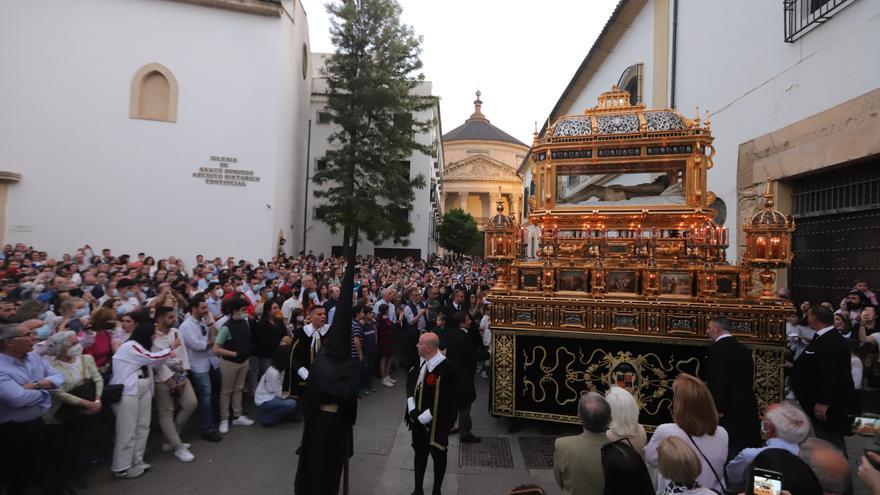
[768,242]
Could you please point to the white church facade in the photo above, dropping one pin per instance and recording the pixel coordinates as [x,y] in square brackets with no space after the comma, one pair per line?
[175,127]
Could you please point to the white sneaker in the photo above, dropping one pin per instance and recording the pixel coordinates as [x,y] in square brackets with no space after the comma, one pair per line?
[143,465]
[484,374]
[242,421]
[387,382]
[392,380]
[166,447]
[183,454]
[130,473]
[224,427]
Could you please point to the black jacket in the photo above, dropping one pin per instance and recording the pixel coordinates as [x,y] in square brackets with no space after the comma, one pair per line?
[461,352]
[822,375]
[438,395]
[730,377]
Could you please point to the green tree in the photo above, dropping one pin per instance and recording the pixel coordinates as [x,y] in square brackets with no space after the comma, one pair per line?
[457,231]
[370,77]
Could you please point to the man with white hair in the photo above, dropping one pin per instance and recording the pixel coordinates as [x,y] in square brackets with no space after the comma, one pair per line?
[387,296]
[785,426]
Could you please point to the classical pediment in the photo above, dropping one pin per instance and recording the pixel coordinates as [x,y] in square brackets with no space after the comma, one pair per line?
[479,167]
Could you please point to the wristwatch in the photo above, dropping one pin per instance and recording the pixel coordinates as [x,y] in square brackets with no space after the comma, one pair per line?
[37,386]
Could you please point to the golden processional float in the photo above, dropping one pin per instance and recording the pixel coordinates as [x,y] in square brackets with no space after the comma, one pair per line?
[630,269]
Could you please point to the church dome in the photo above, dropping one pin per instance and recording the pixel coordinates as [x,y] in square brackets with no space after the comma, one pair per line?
[478,128]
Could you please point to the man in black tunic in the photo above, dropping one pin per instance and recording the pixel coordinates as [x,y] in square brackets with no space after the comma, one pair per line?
[307,341]
[462,351]
[329,408]
[430,409]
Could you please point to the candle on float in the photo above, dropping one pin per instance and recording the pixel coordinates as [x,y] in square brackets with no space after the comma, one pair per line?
[774,247]
[724,239]
[761,248]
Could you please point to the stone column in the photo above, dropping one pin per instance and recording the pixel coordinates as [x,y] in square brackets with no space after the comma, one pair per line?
[463,201]
[442,203]
[517,207]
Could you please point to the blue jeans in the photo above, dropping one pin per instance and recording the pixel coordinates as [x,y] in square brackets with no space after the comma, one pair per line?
[273,410]
[202,386]
[368,365]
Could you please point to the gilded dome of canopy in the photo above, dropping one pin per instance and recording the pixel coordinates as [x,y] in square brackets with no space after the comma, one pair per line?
[615,115]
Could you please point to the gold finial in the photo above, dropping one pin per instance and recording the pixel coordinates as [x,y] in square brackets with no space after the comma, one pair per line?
[499,205]
[768,194]
[707,123]
[697,118]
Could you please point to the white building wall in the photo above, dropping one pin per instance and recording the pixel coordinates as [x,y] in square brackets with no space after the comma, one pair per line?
[319,239]
[752,82]
[288,205]
[635,47]
[93,175]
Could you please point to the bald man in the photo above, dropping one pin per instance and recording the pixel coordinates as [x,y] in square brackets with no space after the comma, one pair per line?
[829,465]
[430,409]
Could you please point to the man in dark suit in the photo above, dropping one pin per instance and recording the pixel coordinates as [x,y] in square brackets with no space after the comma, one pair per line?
[730,377]
[462,354]
[822,379]
[430,409]
[457,303]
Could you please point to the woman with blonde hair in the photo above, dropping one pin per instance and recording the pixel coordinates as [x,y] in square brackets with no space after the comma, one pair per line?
[625,419]
[679,464]
[695,422]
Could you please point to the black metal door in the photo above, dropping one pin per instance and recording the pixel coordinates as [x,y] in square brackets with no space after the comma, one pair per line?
[837,239]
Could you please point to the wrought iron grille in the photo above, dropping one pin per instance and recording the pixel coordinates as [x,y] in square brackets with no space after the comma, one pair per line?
[801,16]
[850,189]
[837,239]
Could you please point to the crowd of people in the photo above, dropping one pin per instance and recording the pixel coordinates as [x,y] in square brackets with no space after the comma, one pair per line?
[717,442]
[92,344]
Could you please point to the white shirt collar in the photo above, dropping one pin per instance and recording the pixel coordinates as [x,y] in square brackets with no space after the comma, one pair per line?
[310,329]
[724,336]
[434,361]
[822,332]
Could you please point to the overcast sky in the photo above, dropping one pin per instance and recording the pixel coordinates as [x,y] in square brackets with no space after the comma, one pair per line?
[519,54]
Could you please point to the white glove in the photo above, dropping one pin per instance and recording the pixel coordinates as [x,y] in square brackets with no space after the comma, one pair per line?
[303,373]
[410,404]
[425,417]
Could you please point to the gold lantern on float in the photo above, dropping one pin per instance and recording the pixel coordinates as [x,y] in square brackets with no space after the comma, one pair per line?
[502,243]
[768,242]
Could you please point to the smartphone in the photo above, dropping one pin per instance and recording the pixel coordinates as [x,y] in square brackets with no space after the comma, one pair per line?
[765,482]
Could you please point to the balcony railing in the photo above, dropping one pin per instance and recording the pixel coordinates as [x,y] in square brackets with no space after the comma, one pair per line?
[802,16]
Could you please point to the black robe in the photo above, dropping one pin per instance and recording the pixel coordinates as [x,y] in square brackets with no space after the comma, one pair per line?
[462,353]
[301,356]
[437,394]
[327,440]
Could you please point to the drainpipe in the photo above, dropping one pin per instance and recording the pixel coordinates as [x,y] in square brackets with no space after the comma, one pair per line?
[306,205]
[674,50]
